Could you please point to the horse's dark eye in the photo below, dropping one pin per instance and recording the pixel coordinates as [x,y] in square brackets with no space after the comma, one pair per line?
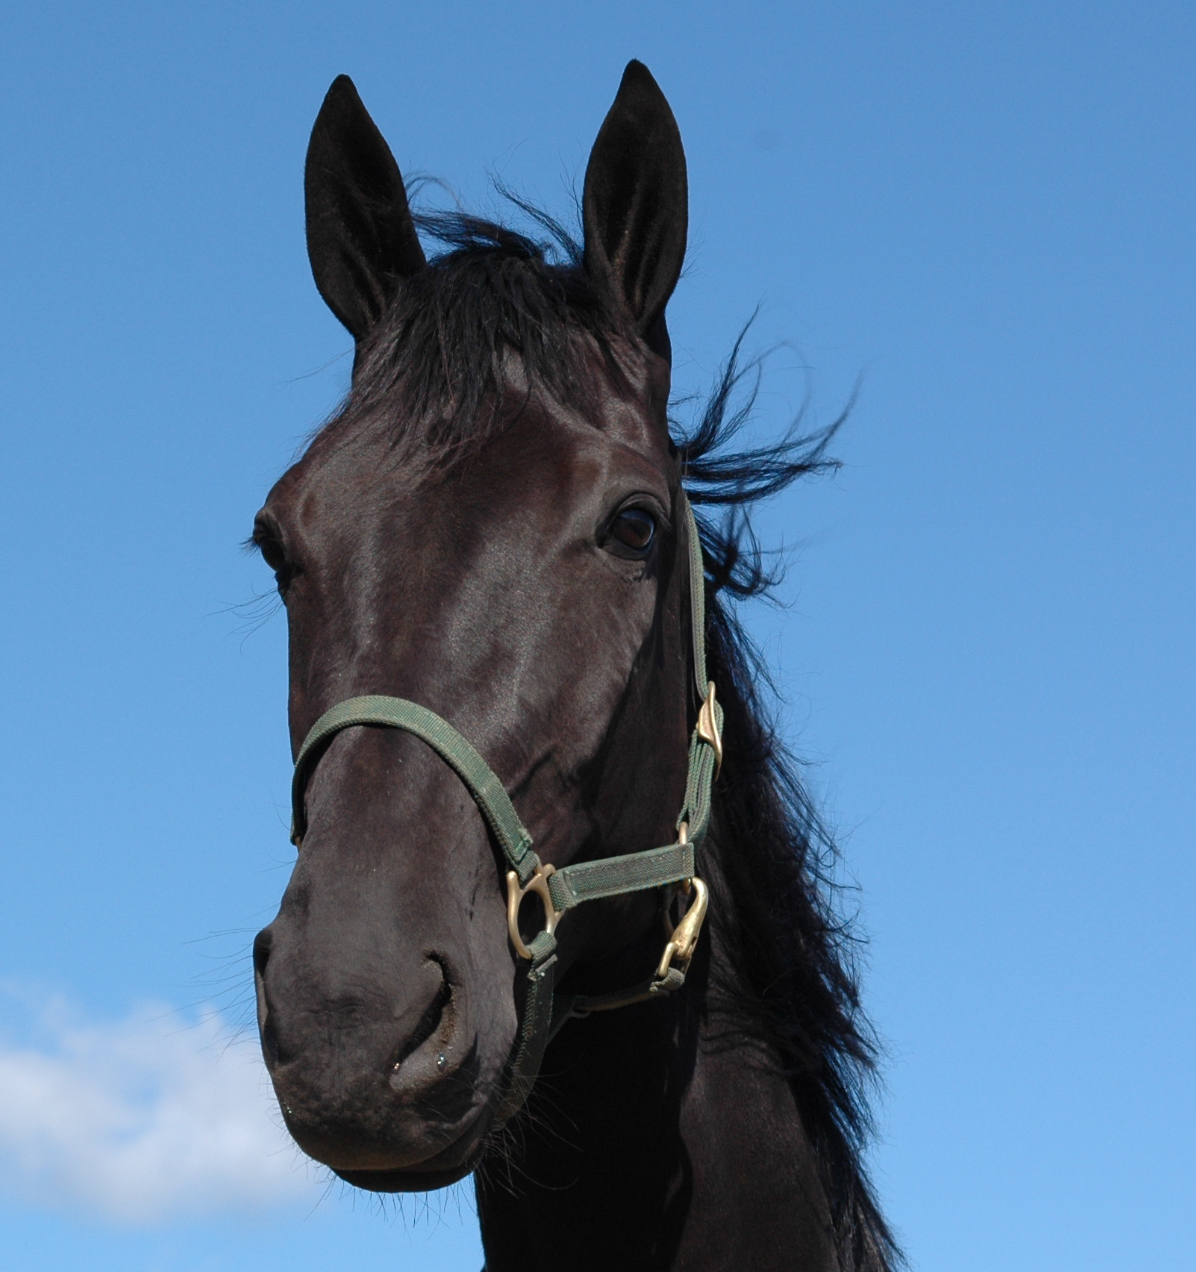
[634,529]
[272,551]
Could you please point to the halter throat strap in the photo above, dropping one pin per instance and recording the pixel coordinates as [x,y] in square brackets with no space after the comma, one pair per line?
[560,890]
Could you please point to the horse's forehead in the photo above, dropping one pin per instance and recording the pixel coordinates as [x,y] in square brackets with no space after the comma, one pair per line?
[623,405]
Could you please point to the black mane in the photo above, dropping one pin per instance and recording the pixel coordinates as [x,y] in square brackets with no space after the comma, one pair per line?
[492,292]
[773,851]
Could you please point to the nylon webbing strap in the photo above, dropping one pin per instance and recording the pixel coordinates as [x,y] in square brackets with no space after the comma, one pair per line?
[535,1028]
[578,1006]
[478,776]
[571,885]
[697,596]
[699,786]
[613,876]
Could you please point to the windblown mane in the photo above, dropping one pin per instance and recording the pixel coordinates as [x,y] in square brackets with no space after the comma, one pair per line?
[493,292]
[773,850]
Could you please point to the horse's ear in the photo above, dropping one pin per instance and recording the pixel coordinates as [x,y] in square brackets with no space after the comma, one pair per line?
[635,205]
[361,239]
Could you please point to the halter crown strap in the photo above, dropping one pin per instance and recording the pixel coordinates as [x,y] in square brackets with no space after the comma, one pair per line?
[697,598]
[560,890]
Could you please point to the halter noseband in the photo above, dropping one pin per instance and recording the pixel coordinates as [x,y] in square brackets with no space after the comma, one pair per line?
[560,890]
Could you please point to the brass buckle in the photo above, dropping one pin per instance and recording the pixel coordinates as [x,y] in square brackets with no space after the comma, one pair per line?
[684,937]
[708,727]
[538,884]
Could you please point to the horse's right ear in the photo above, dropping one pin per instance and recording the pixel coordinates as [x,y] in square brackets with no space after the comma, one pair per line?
[361,239]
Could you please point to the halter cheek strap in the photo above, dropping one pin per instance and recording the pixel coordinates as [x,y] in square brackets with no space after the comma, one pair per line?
[561,890]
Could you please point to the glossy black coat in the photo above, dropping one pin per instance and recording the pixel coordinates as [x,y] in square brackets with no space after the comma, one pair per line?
[452,538]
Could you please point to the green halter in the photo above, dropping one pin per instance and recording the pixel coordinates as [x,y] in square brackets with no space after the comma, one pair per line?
[560,890]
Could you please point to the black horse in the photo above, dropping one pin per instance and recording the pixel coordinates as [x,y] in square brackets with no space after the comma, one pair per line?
[494,526]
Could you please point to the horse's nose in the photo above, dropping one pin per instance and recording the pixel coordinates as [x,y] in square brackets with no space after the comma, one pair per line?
[405,1020]
[368,1070]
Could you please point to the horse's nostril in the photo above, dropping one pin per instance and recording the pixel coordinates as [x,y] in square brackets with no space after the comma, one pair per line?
[262,944]
[270,1040]
[430,1022]
[261,955]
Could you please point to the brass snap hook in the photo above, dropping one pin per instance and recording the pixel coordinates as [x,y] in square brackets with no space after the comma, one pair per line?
[684,938]
[538,884]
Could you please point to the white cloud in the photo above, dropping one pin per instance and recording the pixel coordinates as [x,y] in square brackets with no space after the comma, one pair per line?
[143,1120]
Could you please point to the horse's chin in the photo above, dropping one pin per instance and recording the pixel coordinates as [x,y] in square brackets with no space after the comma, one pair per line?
[448,1167]
[397,1181]
[415,1155]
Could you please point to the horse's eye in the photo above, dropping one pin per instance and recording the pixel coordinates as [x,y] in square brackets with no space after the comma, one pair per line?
[273,553]
[634,529]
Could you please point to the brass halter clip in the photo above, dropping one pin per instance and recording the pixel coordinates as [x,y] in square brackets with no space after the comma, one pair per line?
[685,935]
[708,729]
[538,884]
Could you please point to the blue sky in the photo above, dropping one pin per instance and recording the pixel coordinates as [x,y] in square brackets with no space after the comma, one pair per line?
[985,211]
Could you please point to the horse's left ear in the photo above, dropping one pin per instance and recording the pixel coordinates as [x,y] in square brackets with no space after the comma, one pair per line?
[635,205]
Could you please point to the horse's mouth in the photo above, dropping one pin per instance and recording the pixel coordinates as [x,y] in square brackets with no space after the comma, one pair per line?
[411,1156]
[418,1145]
[438,1134]
[446,1164]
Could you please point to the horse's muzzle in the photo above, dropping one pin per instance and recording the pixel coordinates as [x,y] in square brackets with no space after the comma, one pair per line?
[375,1080]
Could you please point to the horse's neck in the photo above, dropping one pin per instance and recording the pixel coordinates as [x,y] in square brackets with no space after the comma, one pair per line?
[653,1143]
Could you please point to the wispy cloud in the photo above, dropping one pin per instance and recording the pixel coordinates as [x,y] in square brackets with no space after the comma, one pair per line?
[144,1120]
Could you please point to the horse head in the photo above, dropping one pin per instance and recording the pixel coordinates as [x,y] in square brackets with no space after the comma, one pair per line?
[491,527]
